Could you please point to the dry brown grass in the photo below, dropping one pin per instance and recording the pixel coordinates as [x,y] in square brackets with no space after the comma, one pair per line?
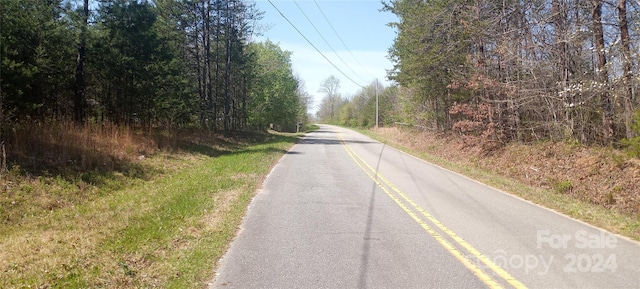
[59,164]
[80,207]
[52,146]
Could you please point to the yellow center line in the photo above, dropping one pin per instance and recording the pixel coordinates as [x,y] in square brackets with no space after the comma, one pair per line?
[376,177]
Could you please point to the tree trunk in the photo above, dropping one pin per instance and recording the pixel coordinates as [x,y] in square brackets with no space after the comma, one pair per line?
[200,81]
[206,55]
[217,62]
[227,74]
[2,125]
[628,98]
[199,68]
[79,100]
[560,27]
[561,51]
[602,73]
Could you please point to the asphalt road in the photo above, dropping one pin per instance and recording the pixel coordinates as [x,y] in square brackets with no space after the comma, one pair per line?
[341,210]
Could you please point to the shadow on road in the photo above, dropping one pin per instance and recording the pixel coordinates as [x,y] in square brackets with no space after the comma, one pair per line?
[324,141]
[323,131]
[366,245]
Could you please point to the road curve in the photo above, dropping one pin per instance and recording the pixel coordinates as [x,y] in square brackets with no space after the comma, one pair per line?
[341,210]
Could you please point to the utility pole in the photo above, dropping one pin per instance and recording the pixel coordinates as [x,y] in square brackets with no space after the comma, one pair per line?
[376,87]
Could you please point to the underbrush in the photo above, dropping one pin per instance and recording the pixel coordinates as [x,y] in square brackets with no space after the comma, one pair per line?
[59,164]
[633,144]
[107,206]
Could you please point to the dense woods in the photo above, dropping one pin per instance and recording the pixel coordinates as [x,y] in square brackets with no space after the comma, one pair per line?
[500,71]
[496,71]
[146,64]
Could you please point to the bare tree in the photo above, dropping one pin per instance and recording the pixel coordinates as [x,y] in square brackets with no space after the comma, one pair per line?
[329,87]
[628,98]
[602,74]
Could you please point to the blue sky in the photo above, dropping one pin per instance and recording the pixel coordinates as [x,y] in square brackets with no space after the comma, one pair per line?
[359,23]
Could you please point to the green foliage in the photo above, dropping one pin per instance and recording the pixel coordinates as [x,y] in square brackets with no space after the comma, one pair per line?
[161,232]
[146,64]
[360,110]
[37,58]
[472,52]
[431,47]
[273,98]
[633,144]
[129,58]
[563,186]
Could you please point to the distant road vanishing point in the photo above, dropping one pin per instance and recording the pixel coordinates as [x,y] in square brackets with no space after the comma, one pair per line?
[341,210]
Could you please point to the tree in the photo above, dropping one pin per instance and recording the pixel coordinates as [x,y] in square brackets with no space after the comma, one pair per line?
[273,98]
[212,44]
[176,98]
[627,66]
[130,62]
[602,71]
[542,69]
[36,58]
[433,37]
[79,100]
[129,55]
[360,109]
[305,100]
[331,101]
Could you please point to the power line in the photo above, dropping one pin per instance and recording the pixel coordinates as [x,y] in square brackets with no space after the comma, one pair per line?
[325,40]
[314,47]
[342,41]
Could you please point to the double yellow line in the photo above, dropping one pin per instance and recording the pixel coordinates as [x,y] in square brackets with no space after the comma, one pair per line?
[396,195]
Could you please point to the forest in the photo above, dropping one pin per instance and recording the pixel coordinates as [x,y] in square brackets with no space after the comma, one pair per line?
[520,70]
[502,71]
[143,64]
[492,71]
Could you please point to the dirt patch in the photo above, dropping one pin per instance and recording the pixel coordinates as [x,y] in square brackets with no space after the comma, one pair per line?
[222,205]
[602,176]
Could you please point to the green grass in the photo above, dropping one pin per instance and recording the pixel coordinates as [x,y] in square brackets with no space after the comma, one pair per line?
[556,199]
[166,229]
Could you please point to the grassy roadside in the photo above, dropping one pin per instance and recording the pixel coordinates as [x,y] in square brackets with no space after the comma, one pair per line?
[614,221]
[161,227]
